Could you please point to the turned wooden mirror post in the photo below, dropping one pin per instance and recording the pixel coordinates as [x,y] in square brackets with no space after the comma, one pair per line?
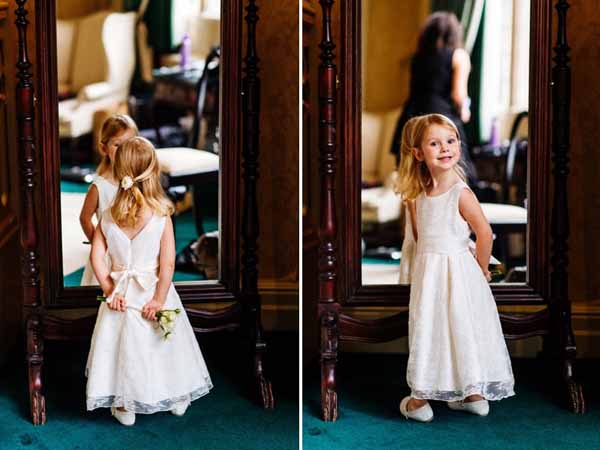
[341,286]
[42,256]
[560,305]
[329,307]
[250,227]
[33,309]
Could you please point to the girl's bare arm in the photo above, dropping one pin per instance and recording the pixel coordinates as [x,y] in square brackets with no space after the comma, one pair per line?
[90,204]
[166,267]
[461,67]
[470,209]
[412,211]
[98,260]
[166,262]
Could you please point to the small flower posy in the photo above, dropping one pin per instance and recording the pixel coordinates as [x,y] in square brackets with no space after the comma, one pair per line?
[166,318]
[166,321]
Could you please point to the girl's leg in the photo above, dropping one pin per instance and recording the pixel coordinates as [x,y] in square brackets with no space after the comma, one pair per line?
[415,403]
[473,398]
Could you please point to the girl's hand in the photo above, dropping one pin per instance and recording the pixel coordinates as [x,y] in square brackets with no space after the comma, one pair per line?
[150,309]
[118,303]
[487,274]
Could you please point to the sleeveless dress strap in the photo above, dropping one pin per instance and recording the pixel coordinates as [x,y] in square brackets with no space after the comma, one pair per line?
[98,181]
[162,220]
[105,220]
[456,191]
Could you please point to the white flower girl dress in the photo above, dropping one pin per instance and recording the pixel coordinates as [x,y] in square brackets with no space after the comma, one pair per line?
[130,364]
[456,345]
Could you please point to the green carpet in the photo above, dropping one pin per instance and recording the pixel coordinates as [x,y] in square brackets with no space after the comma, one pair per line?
[226,418]
[370,388]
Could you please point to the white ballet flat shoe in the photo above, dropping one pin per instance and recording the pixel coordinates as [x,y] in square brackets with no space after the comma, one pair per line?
[180,408]
[422,414]
[479,407]
[126,418]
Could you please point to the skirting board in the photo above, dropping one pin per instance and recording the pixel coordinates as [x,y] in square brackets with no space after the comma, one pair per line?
[280,305]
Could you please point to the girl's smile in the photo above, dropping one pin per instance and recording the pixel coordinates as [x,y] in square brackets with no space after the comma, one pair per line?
[440,148]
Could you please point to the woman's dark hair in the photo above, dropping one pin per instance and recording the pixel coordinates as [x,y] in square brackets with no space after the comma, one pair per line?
[441,28]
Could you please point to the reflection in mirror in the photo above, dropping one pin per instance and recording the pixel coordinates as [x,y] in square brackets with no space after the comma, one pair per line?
[111,66]
[477,75]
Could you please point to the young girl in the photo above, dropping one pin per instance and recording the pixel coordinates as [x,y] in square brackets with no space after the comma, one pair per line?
[115,130]
[457,351]
[131,367]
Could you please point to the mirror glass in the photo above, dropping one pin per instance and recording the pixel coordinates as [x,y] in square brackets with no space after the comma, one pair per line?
[162,71]
[468,60]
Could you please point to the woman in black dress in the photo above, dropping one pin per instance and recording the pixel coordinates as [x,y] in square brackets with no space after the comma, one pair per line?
[438,81]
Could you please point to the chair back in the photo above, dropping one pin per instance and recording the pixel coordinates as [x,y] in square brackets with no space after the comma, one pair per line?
[207,104]
[89,61]
[377,130]
[515,145]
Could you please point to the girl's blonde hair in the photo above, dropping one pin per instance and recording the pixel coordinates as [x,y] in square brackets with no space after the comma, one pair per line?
[413,175]
[136,159]
[111,127]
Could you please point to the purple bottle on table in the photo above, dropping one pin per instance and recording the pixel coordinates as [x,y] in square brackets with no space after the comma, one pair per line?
[185,52]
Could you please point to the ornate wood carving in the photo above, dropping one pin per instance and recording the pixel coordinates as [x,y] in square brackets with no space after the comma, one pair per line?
[29,237]
[378,330]
[250,227]
[328,302]
[560,306]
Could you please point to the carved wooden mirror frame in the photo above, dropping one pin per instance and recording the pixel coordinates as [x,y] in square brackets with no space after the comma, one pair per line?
[43,289]
[340,283]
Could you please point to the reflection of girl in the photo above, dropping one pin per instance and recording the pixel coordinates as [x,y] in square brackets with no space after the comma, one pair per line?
[457,351]
[115,130]
[438,84]
[131,368]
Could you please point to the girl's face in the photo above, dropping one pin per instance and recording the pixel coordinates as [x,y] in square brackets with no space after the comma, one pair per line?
[440,149]
[110,148]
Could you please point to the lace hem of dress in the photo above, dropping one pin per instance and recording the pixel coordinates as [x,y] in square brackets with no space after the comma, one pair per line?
[493,390]
[146,408]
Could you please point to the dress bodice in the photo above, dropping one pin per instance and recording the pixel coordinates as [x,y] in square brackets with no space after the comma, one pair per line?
[135,258]
[106,194]
[440,227]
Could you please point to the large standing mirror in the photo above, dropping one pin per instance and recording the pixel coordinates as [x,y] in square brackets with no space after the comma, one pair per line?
[495,91]
[468,60]
[175,78]
[516,139]
[111,63]
[173,71]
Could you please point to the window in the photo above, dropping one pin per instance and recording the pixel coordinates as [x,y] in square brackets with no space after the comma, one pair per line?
[505,62]
[211,8]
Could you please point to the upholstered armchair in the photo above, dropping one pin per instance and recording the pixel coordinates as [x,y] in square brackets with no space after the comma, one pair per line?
[96,61]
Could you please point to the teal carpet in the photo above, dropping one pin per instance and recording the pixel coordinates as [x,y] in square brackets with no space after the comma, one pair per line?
[381,261]
[370,388]
[226,418]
